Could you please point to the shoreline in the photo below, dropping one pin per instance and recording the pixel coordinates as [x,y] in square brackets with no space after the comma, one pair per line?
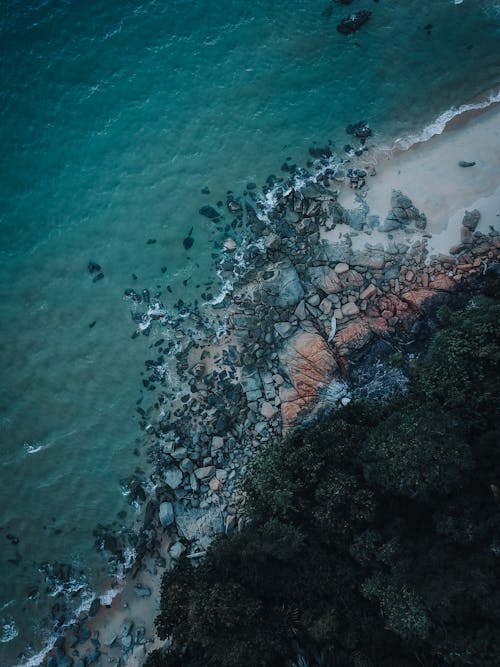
[288,317]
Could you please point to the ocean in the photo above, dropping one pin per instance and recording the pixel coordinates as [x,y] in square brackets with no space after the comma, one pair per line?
[118,121]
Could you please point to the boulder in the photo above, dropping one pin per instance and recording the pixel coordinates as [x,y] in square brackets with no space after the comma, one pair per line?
[350,309]
[173,477]
[341,267]
[368,259]
[402,213]
[324,278]
[471,219]
[209,212]
[166,514]
[310,365]
[334,252]
[280,286]
[284,329]
[368,293]
[204,473]
[176,550]
[95,605]
[268,410]
[229,245]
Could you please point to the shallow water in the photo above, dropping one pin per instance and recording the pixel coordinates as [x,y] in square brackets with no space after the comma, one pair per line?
[114,116]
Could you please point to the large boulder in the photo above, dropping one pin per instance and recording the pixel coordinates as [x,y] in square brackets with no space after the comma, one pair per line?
[324,278]
[402,213]
[173,477]
[471,219]
[333,253]
[368,259]
[310,365]
[280,286]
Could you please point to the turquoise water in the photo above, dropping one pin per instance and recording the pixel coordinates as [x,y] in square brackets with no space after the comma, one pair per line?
[114,116]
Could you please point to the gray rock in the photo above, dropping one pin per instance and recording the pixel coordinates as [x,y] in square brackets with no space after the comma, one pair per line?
[217,442]
[280,286]
[204,473]
[370,260]
[314,300]
[142,591]
[465,235]
[471,219]
[350,309]
[284,329]
[179,454]
[173,477]
[337,215]
[126,628]
[324,278]
[356,219]
[166,514]
[187,465]
[300,311]
[176,550]
[316,191]
[334,252]
[94,607]
[402,213]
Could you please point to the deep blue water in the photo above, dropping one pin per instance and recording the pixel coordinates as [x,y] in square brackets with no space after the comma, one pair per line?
[114,115]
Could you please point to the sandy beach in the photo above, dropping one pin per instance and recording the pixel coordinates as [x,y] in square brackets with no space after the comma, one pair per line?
[429,173]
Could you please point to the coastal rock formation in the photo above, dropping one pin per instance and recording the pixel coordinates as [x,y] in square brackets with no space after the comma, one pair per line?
[402,213]
[280,285]
[310,365]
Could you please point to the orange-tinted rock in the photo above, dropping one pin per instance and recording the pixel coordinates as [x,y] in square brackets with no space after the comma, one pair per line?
[369,292]
[311,365]
[443,282]
[416,298]
[355,336]
[379,325]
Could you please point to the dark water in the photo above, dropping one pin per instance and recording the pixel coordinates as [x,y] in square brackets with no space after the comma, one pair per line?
[114,116]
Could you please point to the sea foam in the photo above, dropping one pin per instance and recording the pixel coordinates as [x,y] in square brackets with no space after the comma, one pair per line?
[439,124]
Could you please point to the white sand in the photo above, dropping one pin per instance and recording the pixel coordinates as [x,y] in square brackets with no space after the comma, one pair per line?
[430,175]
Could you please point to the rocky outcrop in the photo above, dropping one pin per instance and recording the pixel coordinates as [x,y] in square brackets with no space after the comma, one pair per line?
[311,365]
[280,285]
[402,213]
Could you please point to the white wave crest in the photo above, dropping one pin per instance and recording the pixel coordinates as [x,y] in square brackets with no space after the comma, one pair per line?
[33,448]
[8,630]
[438,125]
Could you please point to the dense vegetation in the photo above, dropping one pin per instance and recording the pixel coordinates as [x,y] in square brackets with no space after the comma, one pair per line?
[374,537]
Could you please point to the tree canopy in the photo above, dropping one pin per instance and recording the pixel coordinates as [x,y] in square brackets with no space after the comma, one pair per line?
[373,537]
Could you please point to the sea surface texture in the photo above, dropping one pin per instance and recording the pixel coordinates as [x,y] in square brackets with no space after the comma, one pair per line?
[114,116]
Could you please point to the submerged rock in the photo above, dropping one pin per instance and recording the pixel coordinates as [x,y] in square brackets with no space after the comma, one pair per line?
[209,212]
[353,22]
